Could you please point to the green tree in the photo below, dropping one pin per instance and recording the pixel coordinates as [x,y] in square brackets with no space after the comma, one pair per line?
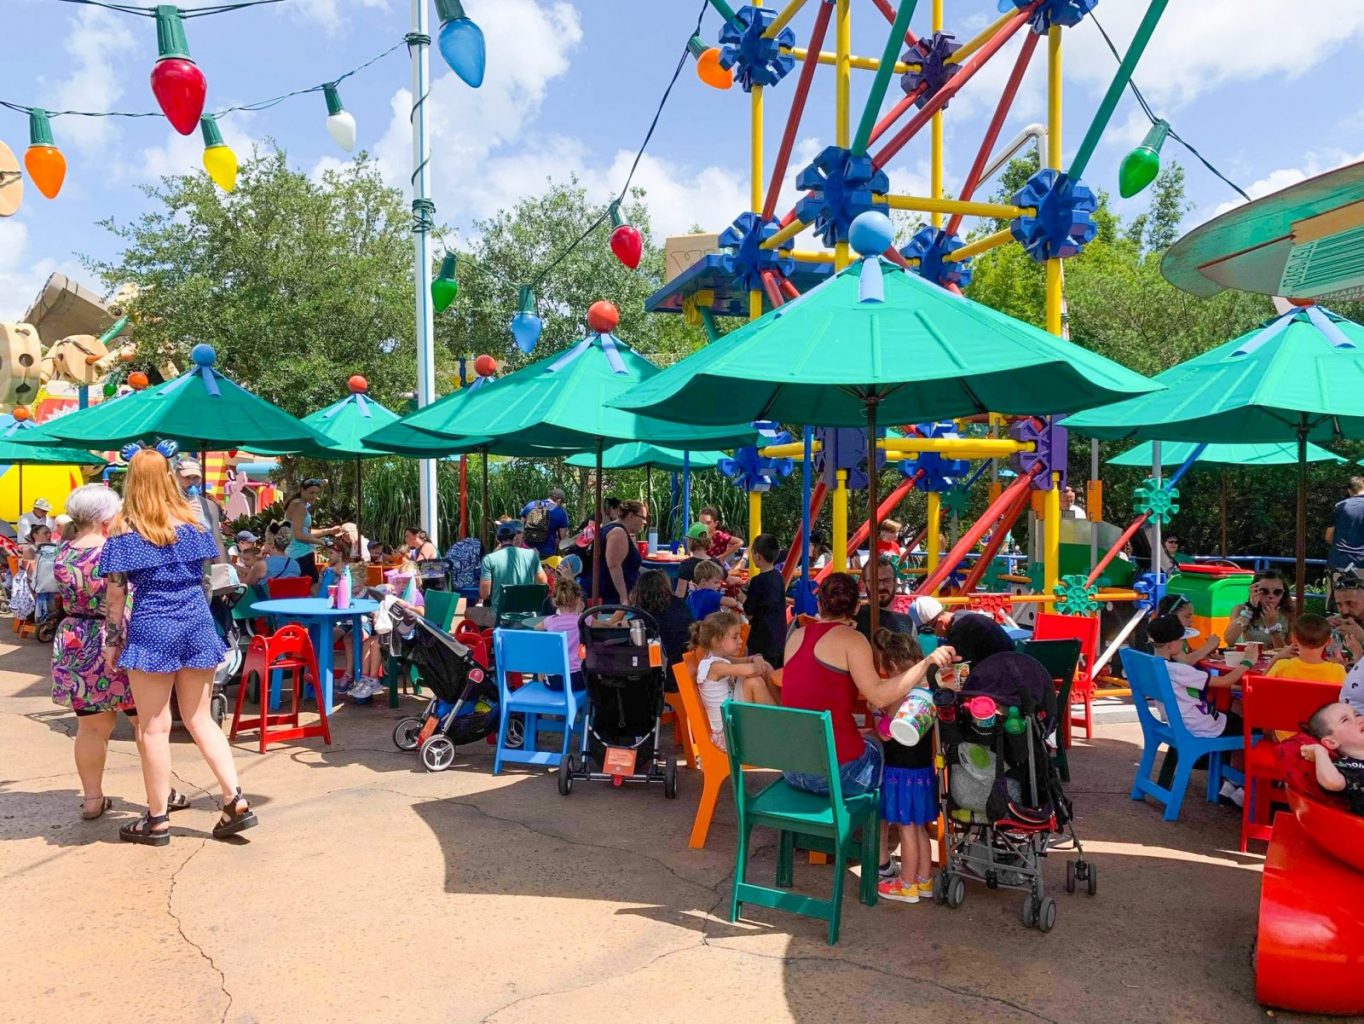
[296,283]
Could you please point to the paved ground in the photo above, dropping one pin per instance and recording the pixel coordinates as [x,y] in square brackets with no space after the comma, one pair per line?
[374,891]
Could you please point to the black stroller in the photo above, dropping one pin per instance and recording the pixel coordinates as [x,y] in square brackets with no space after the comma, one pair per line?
[623,665]
[1004,804]
[464,705]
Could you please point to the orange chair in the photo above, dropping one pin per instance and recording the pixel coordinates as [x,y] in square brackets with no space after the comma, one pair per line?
[1270,705]
[1085,628]
[374,575]
[714,762]
[289,586]
[290,650]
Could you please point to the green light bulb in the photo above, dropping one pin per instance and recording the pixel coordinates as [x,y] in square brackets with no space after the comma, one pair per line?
[444,288]
[1140,167]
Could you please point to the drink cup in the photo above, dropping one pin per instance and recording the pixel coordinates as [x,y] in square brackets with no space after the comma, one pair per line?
[914,718]
[331,595]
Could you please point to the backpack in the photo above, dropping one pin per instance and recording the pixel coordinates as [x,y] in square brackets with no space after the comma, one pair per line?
[465,557]
[536,529]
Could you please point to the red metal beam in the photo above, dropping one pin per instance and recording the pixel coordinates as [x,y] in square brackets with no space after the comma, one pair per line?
[788,138]
[885,8]
[793,560]
[992,546]
[894,113]
[774,295]
[987,145]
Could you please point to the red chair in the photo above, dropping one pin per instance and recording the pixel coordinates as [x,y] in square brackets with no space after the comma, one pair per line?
[1268,706]
[289,650]
[289,586]
[1085,628]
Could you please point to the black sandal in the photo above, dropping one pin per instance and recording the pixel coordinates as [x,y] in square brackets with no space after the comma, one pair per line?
[233,821]
[104,804]
[140,831]
[176,802]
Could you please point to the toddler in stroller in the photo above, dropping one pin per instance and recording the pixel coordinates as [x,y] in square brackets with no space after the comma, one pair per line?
[1006,807]
[464,705]
[623,664]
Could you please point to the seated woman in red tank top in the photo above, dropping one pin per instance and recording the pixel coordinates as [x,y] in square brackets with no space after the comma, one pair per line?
[828,663]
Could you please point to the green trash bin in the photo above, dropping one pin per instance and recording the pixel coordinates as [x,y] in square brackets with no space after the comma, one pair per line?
[1213,590]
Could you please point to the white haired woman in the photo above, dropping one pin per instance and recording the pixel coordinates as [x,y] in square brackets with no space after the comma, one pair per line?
[80,679]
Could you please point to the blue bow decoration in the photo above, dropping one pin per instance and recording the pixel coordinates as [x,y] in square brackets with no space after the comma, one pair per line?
[359,399]
[166,447]
[608,346]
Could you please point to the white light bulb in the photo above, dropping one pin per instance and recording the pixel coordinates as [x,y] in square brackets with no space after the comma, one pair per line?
[341,127]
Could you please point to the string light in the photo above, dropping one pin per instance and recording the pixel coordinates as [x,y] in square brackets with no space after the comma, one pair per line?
[1140,167]
[340,123]
[626,241]
[461,42]
[444,288]
[708,67]
[177,83]
[44,161]
[219,160]
[526,325]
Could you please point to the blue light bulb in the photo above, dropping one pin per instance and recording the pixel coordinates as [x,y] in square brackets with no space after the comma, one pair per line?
[526,328]
[461,42]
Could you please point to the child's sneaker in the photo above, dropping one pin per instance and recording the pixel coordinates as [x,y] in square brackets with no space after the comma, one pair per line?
[926,888]
[890,869]
[899,890]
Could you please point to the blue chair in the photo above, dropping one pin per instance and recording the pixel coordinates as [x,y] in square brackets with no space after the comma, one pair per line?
[1149,678]
[529,652]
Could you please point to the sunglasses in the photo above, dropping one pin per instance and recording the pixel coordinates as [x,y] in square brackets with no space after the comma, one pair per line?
[1271,591]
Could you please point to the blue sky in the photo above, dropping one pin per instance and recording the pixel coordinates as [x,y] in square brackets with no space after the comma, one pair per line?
[571,88]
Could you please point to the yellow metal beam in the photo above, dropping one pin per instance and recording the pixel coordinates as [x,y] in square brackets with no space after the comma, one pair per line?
[1055,295]
[785,234]
[787,13]
[1051,538]
[957,600]
[840,522]
[968,208]
[972,45]
[935,144]
[981,245]
[933,541]
[811,255]
[755,525]
[953,447]
[861,63]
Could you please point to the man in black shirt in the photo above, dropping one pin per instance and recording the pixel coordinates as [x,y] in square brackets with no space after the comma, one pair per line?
[974,636]
[884,594]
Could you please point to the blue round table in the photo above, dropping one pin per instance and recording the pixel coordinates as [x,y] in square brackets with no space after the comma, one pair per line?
[318,615]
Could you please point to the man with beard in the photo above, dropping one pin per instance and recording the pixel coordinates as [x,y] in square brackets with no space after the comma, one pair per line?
[1348,623]
[883,593]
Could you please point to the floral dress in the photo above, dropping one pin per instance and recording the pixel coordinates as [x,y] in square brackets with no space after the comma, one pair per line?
[79,680]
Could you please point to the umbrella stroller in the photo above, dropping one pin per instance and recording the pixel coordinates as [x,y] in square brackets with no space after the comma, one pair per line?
[1005,805]
[623,665]
[464,706]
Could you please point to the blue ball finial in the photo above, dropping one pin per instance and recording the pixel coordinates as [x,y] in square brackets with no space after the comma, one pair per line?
[871,233]
[203,355]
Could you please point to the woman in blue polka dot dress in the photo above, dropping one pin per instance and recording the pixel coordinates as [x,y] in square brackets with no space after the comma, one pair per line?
[157,550]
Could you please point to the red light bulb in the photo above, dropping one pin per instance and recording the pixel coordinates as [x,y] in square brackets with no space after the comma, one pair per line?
[177,82]
[628,245]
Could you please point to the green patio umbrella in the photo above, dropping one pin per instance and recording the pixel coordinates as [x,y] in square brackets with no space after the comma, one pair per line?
[201,410]
[563,402]
[636,453]
[1223,455]
[877,343]
[1297,378]
[15,453]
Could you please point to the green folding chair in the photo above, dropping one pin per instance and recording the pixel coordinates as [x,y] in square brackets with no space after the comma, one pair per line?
[440,608]
[518,602]
[847,828]
[1060,658]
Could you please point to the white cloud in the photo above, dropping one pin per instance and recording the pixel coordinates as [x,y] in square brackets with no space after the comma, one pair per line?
[331,15]
[1283,177]
[20,281]
[96,43]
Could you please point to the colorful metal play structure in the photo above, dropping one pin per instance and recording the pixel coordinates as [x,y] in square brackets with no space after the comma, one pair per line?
[762,264]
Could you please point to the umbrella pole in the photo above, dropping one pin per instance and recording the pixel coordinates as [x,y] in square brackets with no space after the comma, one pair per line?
[808,437]
[597,541]
[1302,514]
[485,536]
[874,517]
[649,487]
[463,496]
[1224,513]
[359,496]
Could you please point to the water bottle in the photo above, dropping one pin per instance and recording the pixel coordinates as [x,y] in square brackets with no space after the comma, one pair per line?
[637,632]
[1014,724]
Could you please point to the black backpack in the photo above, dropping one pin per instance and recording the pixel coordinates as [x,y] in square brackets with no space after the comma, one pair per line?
[536,529]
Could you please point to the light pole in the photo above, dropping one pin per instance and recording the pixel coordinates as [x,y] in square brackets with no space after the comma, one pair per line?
[423,221]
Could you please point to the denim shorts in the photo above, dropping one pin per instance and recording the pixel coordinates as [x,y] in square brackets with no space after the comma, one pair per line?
[860,775]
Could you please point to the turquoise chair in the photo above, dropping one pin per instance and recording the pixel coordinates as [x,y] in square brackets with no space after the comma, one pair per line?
[530,652]
[1149,678]
[789,739]
[1060,658]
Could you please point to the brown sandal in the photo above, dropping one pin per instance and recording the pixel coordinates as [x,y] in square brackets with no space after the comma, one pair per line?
[104,805]
[234,821]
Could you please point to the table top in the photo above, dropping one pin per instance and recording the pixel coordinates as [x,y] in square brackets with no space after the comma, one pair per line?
[314,608]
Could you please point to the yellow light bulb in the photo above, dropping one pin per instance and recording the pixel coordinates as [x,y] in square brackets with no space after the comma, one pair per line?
[221,164]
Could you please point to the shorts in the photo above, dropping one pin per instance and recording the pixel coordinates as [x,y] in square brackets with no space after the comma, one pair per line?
[860,775]
[909,796]
[131,712]
[307,565]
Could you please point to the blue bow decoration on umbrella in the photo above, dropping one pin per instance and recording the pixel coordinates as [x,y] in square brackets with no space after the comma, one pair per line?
[166,447]
[608,345]
[360,400]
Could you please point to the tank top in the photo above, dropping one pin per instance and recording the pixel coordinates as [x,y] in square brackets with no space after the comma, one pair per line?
[298,548]
[629,569]
[810,684]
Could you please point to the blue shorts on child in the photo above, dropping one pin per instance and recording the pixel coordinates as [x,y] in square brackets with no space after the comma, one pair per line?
[909,796]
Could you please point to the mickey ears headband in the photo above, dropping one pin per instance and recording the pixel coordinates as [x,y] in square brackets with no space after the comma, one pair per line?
[166,448]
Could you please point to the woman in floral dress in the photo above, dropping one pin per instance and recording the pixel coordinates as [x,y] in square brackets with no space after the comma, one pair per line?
[79,679]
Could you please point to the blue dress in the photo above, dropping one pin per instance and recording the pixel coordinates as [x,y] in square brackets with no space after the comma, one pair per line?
[170,627]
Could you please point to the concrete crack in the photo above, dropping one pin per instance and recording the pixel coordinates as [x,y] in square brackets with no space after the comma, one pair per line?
[179,927]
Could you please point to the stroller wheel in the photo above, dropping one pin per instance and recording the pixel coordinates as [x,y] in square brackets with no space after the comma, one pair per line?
[566,776]
[1070,876]
[940,888]
[405,733]
[47,629]
[1046,914]
[516,732]
[956,891]
[438,753]
[670,780]
[217,707]
[1029,911]
[1092,879]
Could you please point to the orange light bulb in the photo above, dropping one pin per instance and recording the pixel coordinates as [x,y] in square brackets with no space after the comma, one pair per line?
[44,161]
[708,69]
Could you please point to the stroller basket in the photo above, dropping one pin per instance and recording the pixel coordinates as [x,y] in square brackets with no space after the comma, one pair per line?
[616,651]
[445,664]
